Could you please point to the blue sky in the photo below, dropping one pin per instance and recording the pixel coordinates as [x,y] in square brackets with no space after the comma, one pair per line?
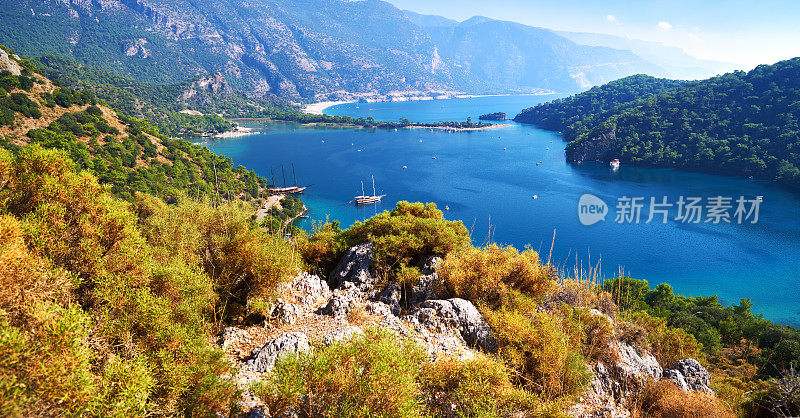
[743,32]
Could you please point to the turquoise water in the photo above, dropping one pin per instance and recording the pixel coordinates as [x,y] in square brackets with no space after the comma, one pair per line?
[488,178]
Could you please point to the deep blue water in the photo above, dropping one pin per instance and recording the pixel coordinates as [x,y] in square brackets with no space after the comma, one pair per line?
[488,178]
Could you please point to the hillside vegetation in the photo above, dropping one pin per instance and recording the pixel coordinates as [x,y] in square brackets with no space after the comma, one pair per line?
[129,259]
[743,124]
[126,153]
[111,307]
[165,105]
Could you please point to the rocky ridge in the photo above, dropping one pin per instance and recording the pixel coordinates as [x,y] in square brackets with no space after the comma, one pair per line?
[314,311]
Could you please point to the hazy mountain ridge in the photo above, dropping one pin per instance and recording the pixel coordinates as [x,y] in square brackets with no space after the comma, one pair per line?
[303,49]
[675,61]
[495,55]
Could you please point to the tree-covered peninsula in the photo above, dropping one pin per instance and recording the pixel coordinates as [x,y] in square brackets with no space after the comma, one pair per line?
[743,124]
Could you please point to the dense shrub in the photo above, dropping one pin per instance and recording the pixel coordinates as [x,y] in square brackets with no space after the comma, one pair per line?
[382,374]
[322,246]
[95,320]
[245,262]
[476,387]
[664,399]
[19,102]
[408,234]
[778,396]
[667,344]
[539,347]
[403,237]
[489,276]
[717,327]
[372,375]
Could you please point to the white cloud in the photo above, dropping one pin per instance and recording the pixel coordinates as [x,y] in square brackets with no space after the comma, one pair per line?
[613,19]
[664,25]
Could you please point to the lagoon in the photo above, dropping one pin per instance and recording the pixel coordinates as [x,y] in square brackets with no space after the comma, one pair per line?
[488,180]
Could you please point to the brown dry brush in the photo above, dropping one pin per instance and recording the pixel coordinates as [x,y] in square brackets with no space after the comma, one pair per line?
[106,307]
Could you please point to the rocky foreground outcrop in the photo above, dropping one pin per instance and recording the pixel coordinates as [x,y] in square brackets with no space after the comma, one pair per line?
[313,310]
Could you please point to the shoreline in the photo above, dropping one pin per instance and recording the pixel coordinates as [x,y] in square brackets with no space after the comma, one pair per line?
[318,108]
[441,128]
[449,128]
[235,134]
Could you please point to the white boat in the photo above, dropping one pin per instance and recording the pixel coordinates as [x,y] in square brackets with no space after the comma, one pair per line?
[287,189]
[368,200]
[614,163]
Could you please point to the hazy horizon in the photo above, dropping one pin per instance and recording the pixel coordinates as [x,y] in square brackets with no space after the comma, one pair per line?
[739,32]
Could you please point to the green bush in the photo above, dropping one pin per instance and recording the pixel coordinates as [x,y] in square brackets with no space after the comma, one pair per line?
[475,387]
[546,358]
[95,320]
[403,237]
[491,276]
[372,375]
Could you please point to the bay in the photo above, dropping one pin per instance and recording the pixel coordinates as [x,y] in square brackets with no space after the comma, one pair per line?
[488,179]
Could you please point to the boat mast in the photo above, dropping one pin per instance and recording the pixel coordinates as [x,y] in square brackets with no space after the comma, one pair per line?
[284,176]
[293,176]
[272,177]
[362,188]
[373,186]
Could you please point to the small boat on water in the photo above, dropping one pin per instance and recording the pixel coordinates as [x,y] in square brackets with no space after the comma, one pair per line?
[614,163]
[536,196]
[287,189]
[368,200]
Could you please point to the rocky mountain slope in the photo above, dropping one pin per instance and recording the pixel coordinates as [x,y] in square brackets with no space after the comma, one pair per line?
[303,49]
[496,56]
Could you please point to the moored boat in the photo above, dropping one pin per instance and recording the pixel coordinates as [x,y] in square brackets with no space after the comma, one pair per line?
[368,200]
[287,189]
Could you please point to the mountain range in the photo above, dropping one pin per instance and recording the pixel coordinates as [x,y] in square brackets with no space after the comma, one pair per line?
[674,61]
[311,50]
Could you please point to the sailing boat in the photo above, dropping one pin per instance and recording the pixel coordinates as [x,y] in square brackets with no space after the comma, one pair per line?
[287,189]
[368,200]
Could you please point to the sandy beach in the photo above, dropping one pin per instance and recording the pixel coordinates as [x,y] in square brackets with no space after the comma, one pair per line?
[235,134]
[319,107]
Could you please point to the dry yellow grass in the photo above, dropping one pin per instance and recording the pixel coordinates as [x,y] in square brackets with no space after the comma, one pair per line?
[664,399]
[490,276]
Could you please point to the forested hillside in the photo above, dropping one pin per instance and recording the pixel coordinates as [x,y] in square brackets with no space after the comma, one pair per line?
[572,114]
[740,123]
[126,153]
[187,108]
